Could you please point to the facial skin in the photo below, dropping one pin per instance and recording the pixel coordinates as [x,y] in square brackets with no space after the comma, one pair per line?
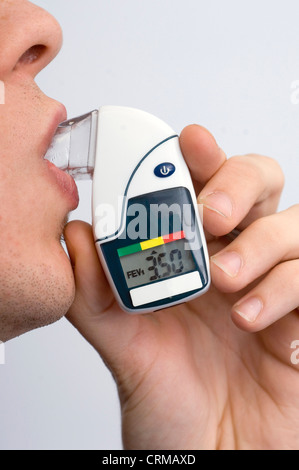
[36,279]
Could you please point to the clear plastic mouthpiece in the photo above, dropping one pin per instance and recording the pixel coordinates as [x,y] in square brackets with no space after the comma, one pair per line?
[74,145]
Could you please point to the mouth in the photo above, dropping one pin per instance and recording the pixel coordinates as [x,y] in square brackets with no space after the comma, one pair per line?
[63,181]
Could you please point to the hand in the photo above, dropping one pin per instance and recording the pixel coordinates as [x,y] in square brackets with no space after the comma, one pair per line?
[214,373]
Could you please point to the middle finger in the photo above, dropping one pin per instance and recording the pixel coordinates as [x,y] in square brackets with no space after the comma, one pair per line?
[244,189]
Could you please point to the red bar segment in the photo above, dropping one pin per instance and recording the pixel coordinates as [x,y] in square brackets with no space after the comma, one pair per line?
[172,237]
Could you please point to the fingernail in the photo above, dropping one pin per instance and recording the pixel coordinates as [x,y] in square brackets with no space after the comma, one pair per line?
[249,309]
[218,202]
[229,262]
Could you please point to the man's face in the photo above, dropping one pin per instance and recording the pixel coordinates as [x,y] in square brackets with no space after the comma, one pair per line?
[36,279]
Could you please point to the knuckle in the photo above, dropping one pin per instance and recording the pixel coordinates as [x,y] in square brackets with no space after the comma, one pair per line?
[270,166]
[279,174]
[259,167]
[266,228]
[241,166]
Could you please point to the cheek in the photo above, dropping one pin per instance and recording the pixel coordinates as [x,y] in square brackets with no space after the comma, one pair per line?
[31,210]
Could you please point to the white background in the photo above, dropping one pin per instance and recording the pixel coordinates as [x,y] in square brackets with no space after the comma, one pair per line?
[228,65]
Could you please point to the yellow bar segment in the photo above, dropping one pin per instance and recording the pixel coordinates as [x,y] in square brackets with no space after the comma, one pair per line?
[151,243]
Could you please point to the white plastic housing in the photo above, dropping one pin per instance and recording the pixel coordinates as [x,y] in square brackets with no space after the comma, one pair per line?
[130,145]
[125,136]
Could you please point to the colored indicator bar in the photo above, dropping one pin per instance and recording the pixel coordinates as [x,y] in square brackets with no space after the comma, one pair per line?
[172,237]
[152,243]
[131,249]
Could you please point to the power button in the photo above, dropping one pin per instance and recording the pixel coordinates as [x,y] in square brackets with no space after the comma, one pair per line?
[164,170]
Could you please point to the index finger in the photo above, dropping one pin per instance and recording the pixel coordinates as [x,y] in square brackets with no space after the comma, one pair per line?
[203,155]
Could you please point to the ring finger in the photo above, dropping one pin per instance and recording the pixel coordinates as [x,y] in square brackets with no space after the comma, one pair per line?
[268,245]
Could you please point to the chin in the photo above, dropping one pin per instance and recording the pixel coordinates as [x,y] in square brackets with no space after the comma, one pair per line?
[35,296]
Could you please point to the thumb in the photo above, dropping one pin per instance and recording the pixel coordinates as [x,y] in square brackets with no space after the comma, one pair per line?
[91,283]
[95,312]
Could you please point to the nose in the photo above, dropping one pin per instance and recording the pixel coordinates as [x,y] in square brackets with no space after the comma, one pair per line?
[30,38]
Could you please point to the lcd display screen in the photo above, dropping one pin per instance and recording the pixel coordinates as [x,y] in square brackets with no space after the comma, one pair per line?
[155,261]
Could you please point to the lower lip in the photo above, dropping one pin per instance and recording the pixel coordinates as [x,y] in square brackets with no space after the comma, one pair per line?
[66,184]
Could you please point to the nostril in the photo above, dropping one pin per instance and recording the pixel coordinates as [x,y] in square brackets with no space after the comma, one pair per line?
[32,54]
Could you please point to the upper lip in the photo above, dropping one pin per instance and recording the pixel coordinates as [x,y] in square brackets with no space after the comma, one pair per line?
[57,117]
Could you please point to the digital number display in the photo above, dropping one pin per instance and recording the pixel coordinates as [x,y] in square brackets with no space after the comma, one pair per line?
[157,263]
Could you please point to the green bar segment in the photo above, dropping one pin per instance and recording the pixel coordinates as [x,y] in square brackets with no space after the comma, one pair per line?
[129,250]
